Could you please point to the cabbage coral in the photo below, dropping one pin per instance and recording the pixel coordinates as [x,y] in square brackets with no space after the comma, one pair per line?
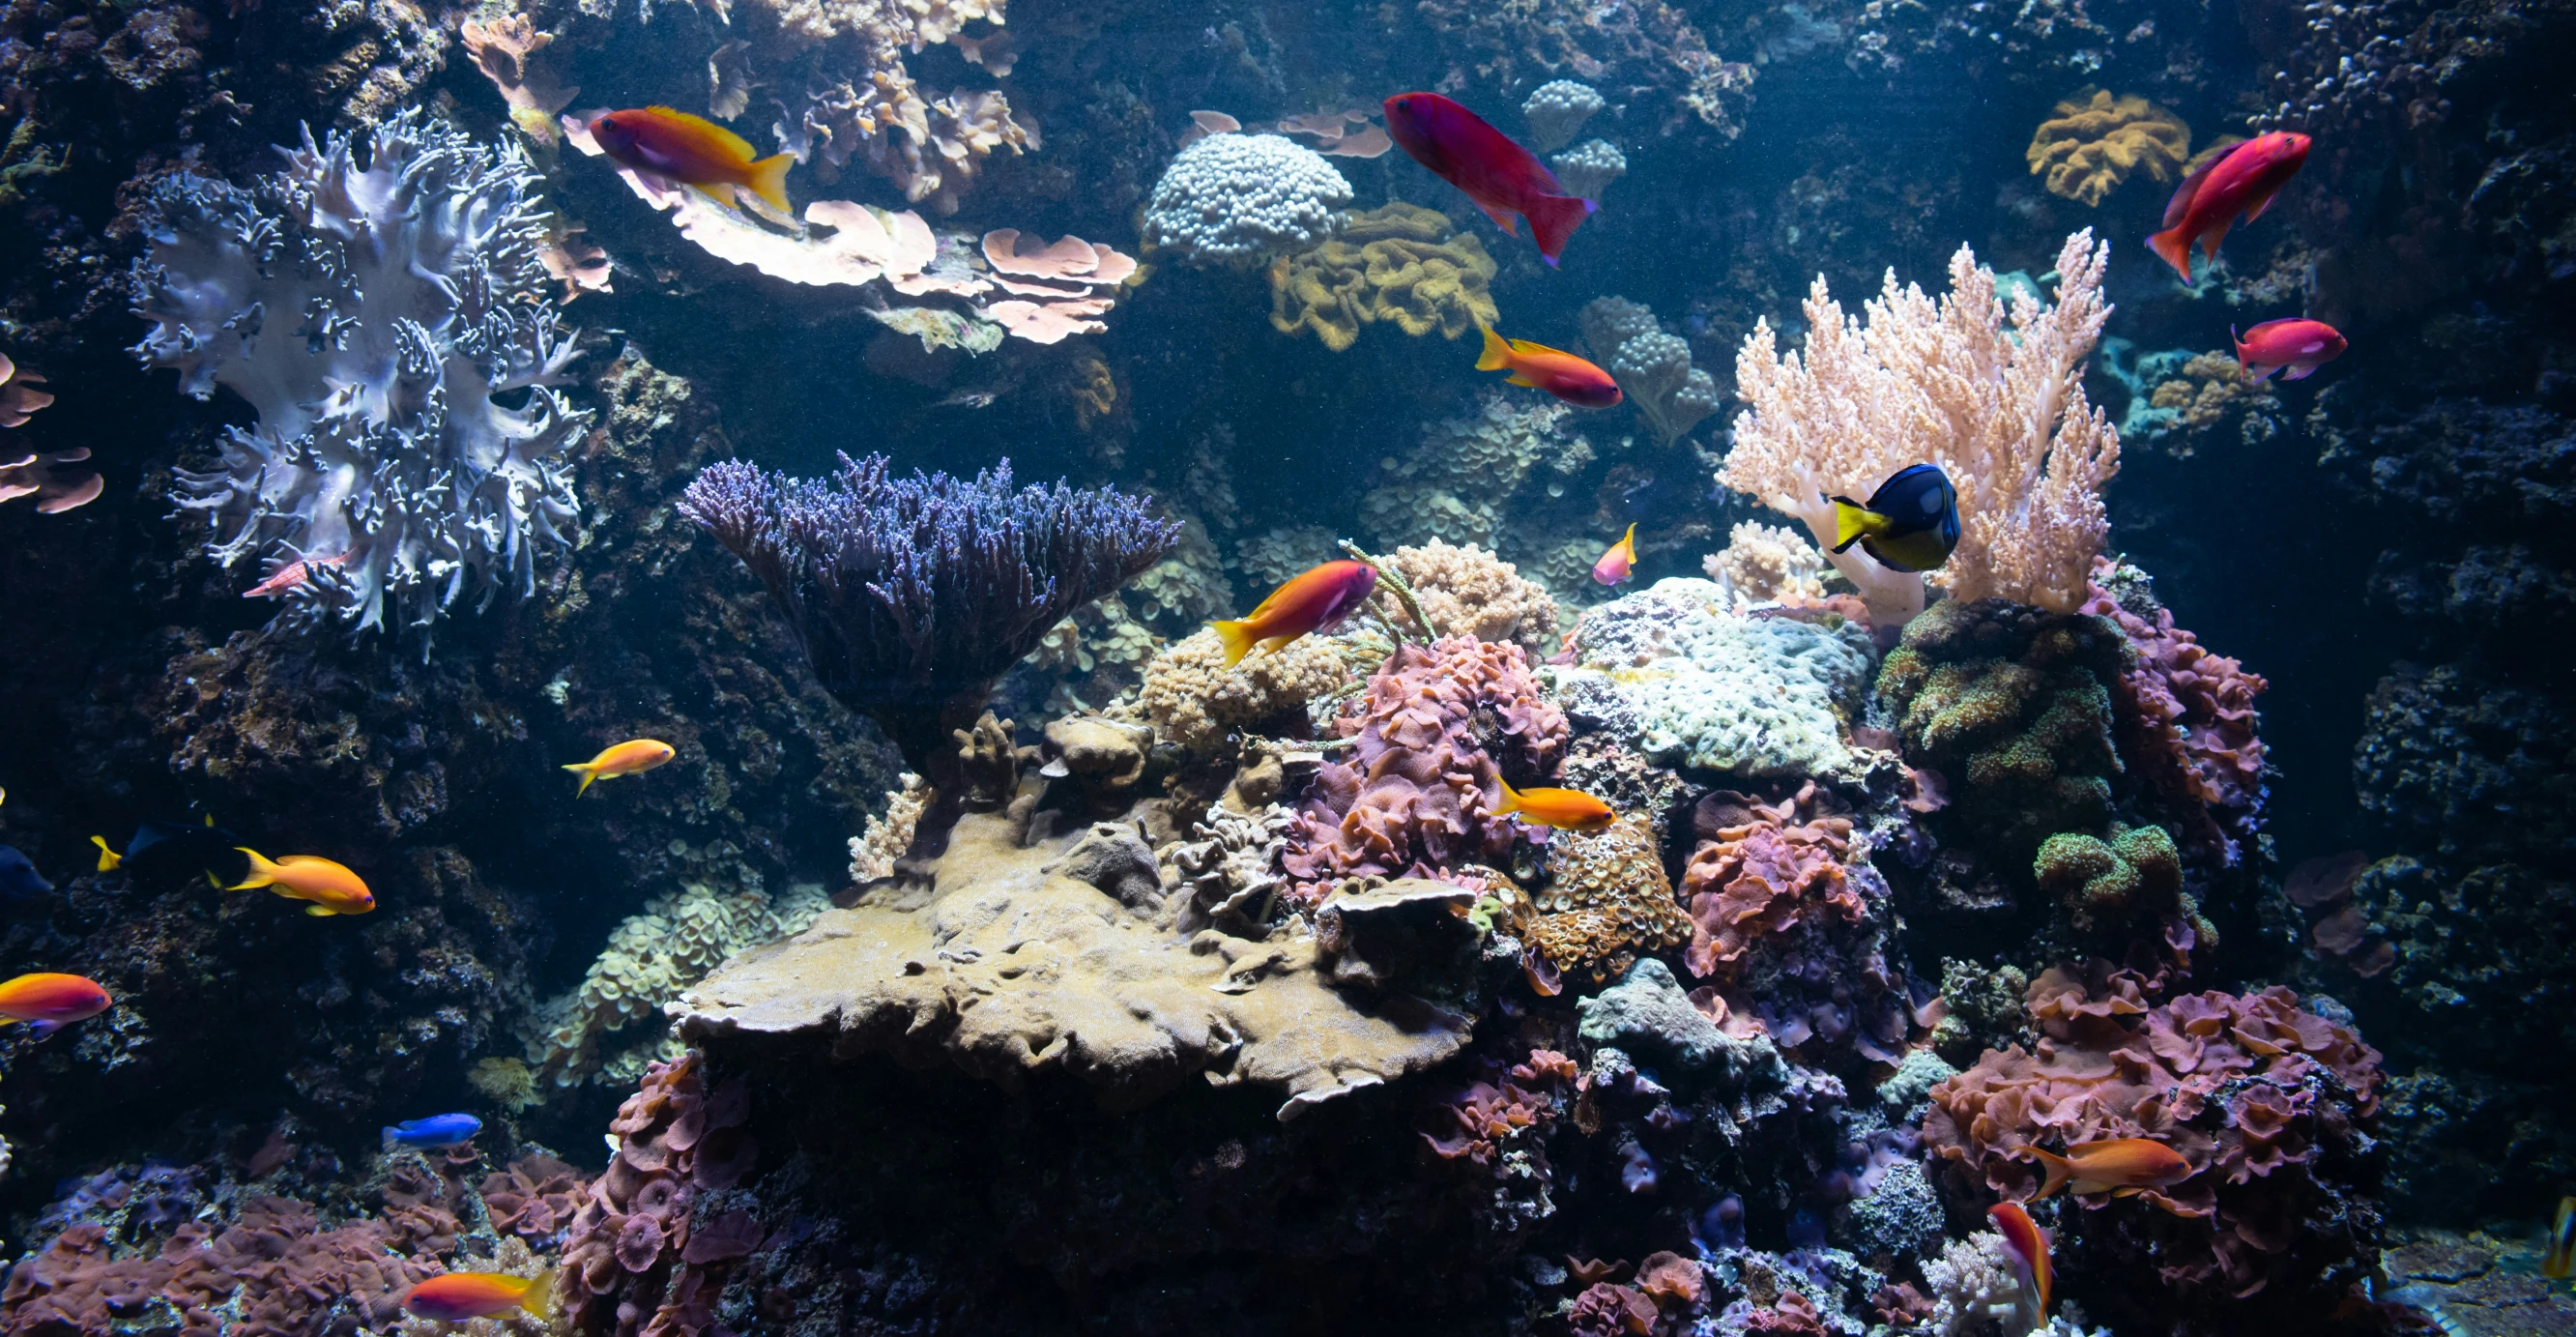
[389,322]
[1999,406]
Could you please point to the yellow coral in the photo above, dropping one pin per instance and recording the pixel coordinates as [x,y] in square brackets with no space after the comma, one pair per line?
[2096,141]
[1399,264]
[1607,901]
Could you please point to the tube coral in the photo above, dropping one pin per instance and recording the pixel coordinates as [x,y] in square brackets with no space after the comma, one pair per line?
[404,307]
[2000,407]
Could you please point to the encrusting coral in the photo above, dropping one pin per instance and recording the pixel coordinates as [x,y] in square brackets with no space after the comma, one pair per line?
[1195,700]
[1607,901]
[2187,715]
[2000,407]
[1653,368]
[1435,732]
[1399,263]
[389,470]
[1457,483]
[1468,591]
[2094,142]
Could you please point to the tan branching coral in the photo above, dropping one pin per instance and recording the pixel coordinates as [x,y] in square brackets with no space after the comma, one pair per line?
[1766,564]
[1997,402]
[2096,141]
[1468,591]
[889,833]
[1195,700]
[1398,263]
[1607,901]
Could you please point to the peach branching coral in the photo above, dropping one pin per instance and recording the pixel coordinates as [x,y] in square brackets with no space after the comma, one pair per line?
[1994,395]
[2095,141]
[1468,591]
[1194,700]
[1766,564]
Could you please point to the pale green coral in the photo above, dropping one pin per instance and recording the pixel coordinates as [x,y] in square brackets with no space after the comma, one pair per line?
[1690,684]
[1454,485]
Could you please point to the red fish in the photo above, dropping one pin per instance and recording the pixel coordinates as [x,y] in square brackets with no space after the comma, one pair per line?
[693,151]
[1615,564]
[1500,176]
[2028,1246]
[458,1296]
[1315,601]
[2241,180]
[48,1002]
[2302,346]
[1559,373]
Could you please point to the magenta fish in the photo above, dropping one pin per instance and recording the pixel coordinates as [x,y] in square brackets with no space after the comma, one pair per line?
[2301,346]
[1500,176]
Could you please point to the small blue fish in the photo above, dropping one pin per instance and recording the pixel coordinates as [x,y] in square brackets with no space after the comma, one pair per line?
[438,1130]
[19,880]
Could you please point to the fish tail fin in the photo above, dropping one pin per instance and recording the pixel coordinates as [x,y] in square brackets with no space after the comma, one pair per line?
[767,179]
[1851,523]
[2174,249]
[587,772]
[1237,637]
[2057,1168]
[1497,354]
[1629,541]
[262,872]
[107,858]
[2239,341]
[540,1299]
[1511,797]
[1552,220]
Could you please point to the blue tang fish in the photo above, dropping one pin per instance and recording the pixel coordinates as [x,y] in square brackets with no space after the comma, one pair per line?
[438,1130]
[1910,524]
[19,880]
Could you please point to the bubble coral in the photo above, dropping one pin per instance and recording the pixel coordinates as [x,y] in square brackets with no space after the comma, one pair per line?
[1195,700]
[2095,141]
[1607,900]
[1556,111]
[1468,591]
[1653,368]
[1232,199]
[1435,731]
[2263,1099]
[1398,263]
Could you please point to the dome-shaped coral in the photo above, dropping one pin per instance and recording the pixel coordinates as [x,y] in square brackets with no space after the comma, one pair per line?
[2096,141]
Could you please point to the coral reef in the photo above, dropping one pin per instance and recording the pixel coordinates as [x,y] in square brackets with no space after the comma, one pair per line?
[1056,290]
[1653,368]
[2094,142]
[637,1254]
[1194,700]
[1468,591]
[2001,410]
[1435,733]
[2187,717]
[2180,399]
[649,960]
[1766,564]
[389,465]
[1607,901]
[1653,49]
[1672,672]
[1232,199]
[1556,111]
[1398,263]
[1588,168]
[1128,1011]
[1456,485]
[2271,1105]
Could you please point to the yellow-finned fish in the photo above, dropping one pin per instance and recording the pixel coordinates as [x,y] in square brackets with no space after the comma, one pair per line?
[627,758]
[330,886]
[1317,600]
[693,151]
[1910,524]
[458,1296]
[2561,1262]
[1564,809]
[1615,564]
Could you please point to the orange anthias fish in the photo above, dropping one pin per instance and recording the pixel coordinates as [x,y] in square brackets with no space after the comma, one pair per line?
[2028,1246]
[693,151]
[459,1296]
[1559,373]
[1315,601]
[1499,175]
[2242,180]
[2301,346]
[1615,564]
[627,758]
[2119,1166]
[49,1002]
[1564,809]
[331,887]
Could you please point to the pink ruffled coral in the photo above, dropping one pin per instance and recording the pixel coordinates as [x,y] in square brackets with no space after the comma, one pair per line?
[2187,715]
[634,1261]
[1762,877]
[1056,290]
[1474,1123]
[1417,795]
[2241,1087]
[535,1197]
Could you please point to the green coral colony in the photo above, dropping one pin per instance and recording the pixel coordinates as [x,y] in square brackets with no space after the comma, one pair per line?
[1151,795]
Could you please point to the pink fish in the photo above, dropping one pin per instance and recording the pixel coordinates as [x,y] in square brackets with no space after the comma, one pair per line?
[2302,346]
[2027,1245]
[292,574]
[1500,176]
[2242,180]
[1616,563]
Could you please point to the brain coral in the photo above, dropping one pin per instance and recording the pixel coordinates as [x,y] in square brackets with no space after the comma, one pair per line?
[1195,700]
[1607,900]
[1398,263]
[391,324]
[2095,142]
[1435,732]
[1237,199]
[1693,685]
[2270,1104]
